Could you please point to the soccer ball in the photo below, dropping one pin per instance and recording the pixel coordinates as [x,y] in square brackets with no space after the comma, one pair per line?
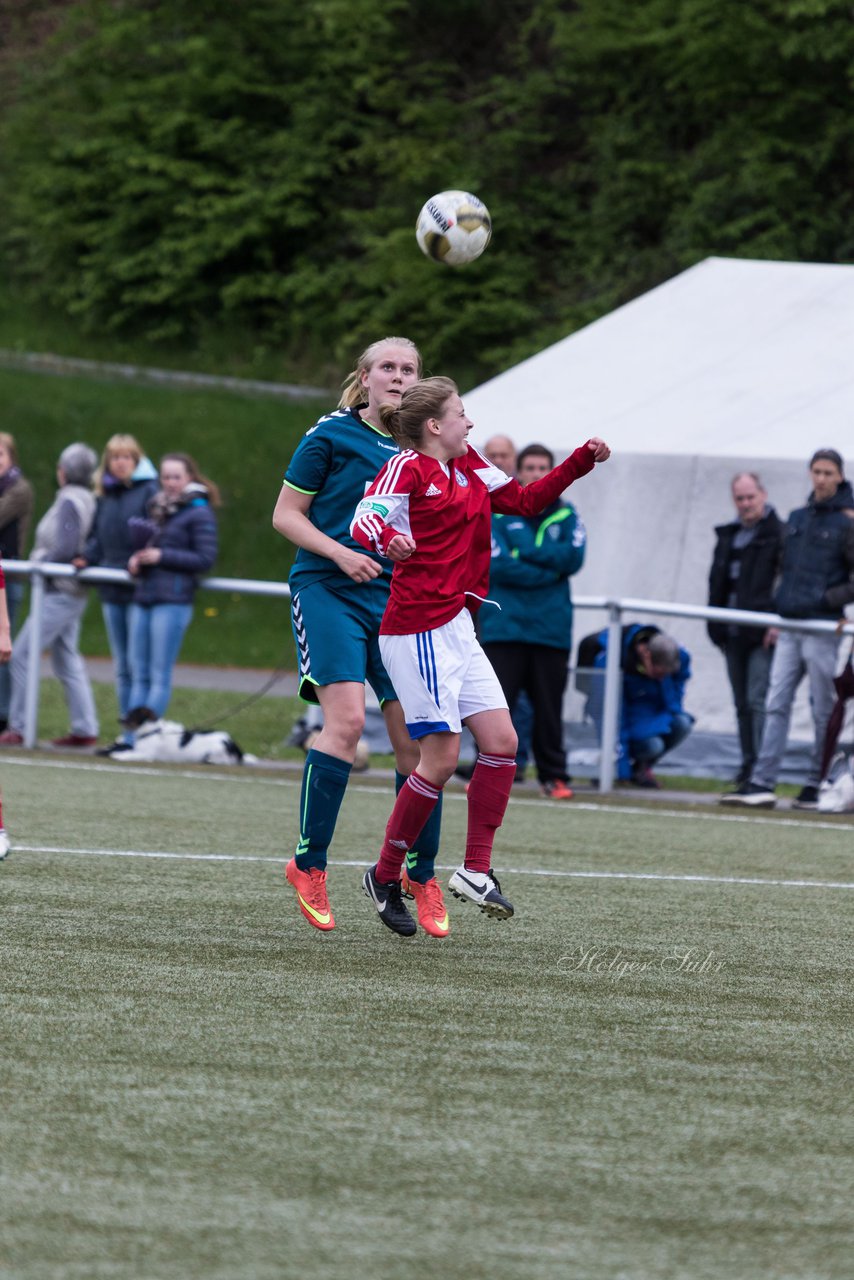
[454,227]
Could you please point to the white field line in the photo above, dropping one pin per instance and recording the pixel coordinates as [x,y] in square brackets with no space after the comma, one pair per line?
[516,871]
[583,806]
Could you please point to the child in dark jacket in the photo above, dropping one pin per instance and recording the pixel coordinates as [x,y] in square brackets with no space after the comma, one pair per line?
[177,541]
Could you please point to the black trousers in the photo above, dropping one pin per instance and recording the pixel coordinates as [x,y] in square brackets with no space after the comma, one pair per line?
[541,671]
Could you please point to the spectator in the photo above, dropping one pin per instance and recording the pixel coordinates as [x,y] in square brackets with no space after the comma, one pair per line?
[177,541]
[124,483]
[652,719]
[5,655]
[528,640]
[16,513]
[501,452]
[816,581]
[60,536]
[743,573]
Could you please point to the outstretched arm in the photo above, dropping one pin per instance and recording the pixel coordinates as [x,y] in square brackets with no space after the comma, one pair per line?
[513,498]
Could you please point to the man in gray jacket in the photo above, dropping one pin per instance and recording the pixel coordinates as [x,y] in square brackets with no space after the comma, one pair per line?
[817,581]
[60,536]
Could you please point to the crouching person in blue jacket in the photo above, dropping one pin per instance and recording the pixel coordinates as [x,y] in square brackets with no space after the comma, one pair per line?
[652,719]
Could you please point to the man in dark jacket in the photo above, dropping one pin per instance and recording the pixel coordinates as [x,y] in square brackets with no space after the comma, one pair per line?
[817,581]
[743,573]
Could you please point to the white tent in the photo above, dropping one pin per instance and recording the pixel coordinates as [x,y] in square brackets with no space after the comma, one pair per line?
[733,365]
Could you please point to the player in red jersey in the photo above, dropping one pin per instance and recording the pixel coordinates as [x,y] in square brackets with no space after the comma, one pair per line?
[429,510]
[5,655]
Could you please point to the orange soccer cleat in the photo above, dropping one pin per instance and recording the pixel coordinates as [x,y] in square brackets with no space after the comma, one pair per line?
[557,790]
[430,904]
[310,887]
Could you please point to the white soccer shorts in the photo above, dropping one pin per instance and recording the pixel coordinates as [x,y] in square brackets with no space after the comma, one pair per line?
[441,677]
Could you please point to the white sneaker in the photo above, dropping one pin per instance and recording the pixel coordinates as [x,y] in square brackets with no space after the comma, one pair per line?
[481,888]
[4,844]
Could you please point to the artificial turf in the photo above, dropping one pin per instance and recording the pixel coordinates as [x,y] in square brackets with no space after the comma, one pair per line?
[196,1083]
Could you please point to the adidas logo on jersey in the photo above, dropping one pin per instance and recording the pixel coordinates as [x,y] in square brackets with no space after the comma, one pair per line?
[432,492]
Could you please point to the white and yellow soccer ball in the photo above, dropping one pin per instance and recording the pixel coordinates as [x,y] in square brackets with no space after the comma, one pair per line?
[454,227]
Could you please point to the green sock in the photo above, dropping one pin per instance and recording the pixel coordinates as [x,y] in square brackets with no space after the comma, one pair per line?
[324,781]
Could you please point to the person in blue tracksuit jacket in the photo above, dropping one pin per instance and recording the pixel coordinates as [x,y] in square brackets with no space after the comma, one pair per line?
[529,638]
[653,720]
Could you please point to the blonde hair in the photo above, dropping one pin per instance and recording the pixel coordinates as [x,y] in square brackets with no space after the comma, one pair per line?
[12,449]
[192,469]
[423,400]
[116,444]
[354,393]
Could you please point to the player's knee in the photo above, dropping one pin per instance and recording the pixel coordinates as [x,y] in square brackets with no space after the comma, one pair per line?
[504,743]
[345,729]
[406,757]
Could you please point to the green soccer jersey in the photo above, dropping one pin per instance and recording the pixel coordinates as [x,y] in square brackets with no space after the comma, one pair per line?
[335,461]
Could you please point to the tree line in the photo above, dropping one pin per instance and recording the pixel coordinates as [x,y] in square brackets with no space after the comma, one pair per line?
[258,167]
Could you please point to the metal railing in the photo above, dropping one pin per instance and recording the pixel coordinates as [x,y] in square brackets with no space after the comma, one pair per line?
[616,610]
[39,571]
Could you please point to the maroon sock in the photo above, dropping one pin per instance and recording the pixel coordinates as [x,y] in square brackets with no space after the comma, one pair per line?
[416,800]
[488,793]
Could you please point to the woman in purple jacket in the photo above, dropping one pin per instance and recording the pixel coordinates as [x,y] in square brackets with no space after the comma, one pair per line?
[177,541]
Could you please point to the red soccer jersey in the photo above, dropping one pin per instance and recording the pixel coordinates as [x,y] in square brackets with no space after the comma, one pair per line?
[447,509]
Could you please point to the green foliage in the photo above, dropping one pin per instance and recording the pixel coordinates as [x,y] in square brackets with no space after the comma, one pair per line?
[175,168]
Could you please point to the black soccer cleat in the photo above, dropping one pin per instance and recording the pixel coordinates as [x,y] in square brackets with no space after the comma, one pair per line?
[388,901]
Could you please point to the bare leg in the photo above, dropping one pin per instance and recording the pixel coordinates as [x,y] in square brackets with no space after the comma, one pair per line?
[343,719]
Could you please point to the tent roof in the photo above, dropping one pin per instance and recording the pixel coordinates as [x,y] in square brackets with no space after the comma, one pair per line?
[733,358]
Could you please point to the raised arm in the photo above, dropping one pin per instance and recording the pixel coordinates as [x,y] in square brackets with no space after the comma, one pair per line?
[512,498]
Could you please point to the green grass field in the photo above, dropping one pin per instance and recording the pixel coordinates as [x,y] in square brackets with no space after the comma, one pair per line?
[196,1084]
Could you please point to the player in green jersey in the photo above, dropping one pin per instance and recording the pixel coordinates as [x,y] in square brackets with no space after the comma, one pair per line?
[338,595]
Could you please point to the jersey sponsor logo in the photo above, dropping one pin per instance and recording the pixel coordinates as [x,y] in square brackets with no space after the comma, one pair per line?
[391,447]
[462,481]
[432,492]
[367,505]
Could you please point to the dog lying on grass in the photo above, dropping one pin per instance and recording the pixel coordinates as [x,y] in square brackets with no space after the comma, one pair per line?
[170,742]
